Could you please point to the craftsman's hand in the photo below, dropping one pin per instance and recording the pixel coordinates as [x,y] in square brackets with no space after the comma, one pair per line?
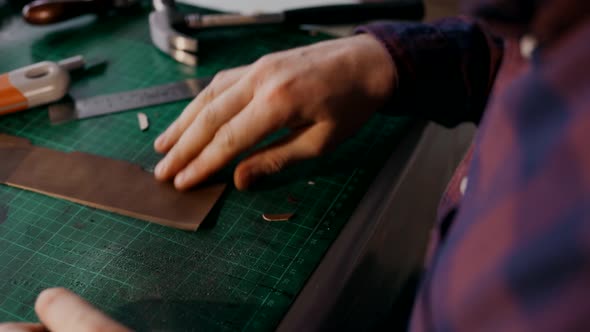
[60,310]
[323,93]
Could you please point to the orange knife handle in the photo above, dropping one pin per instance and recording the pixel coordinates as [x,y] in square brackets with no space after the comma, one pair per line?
[34,85]
[11,98]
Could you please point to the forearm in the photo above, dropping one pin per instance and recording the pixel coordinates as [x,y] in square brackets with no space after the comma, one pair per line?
[445,70]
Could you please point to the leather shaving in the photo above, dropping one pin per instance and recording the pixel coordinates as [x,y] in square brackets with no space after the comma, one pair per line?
[277,216]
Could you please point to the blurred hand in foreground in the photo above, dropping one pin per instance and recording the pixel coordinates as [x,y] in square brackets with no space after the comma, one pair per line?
[60,310]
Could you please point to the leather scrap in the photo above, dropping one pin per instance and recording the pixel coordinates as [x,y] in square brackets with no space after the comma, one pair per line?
[277,216]
[103,183]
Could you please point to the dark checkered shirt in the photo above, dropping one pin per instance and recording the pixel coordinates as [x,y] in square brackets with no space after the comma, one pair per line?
[511,250]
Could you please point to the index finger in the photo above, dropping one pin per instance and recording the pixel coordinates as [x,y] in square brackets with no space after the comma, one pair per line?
[221,82]
[250,126]
[63,311]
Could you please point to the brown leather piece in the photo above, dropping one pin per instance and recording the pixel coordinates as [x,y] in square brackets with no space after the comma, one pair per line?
[103,183]
[11,157]
[13,140]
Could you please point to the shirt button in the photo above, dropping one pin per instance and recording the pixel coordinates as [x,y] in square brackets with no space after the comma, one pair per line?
[528,44]
[463,185]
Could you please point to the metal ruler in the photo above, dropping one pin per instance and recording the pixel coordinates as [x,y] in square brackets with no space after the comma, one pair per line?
[124,101]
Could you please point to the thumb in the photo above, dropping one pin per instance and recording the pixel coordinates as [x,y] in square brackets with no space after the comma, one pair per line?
[301,145]
[63,311]
[22,327]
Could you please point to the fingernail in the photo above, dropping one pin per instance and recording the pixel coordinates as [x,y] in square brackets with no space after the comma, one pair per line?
[160,168]
[161,140]
[180,179]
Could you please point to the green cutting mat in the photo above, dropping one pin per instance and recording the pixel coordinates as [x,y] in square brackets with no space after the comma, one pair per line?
[236,273]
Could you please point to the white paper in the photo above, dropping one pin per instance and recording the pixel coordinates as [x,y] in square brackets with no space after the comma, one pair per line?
[250,6]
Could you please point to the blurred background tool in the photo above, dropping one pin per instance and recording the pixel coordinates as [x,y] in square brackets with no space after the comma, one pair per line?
[254,6]
[41,12]
[169,28]
[322,15]
[171,31]
[37,84]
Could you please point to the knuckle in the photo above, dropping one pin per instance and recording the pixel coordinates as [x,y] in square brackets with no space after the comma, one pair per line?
[267,66]
[176,158]
[282,93]
[265,61]
[209,116]
[209,92]
[275,163]
[220,76]
[282,102]
[225,137]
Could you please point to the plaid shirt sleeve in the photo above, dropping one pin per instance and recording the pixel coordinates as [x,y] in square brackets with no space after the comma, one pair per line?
[515,253]
[445,70]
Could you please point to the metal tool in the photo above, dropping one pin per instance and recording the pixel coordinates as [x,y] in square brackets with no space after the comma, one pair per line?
[165,37]
[169,28]
[41,12]
[124,101]
[37,84]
